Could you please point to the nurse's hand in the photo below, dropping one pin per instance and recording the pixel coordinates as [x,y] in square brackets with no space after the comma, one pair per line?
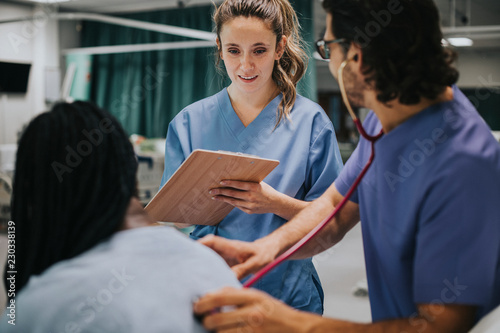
[250,197]
[249,310]
[257,198]
[244,257]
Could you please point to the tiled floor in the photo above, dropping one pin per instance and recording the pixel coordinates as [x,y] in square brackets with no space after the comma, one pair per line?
[340,270]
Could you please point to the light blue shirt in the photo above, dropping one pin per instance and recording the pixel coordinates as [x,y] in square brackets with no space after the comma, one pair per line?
[429,211]
[309,159]
[140,280]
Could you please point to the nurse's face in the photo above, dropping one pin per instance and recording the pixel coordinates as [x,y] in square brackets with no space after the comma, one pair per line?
[248,48]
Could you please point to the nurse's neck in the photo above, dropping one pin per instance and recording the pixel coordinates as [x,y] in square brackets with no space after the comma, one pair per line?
[393,113]
[249,105]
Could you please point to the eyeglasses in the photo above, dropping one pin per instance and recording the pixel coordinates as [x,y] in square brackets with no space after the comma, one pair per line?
[323,49]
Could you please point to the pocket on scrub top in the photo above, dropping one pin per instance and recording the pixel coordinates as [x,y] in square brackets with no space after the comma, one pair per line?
[316,297]
[296,284]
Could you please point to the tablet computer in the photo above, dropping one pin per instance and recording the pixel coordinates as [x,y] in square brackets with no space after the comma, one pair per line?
[184,198]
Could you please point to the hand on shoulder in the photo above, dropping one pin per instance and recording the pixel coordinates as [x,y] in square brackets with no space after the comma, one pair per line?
[244,258]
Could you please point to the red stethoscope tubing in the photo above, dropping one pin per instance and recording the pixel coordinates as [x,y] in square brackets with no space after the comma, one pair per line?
[291,251]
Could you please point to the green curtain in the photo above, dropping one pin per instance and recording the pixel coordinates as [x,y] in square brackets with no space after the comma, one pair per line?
[487,102]
[145,90]
[307,87]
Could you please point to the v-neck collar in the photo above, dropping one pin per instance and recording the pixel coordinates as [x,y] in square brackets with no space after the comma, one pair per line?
[266,118]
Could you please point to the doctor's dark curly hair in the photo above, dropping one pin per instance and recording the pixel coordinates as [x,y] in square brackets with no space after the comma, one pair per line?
[75,176]
[401,43]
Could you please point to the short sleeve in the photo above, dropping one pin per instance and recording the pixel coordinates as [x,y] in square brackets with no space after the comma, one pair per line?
[349,173]
[461,266]
[176,147]
[324,163]
[358,159]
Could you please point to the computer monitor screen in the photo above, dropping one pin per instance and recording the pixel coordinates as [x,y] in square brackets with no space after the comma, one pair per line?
[14,77]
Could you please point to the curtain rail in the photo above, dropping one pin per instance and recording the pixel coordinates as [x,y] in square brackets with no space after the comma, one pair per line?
[163,28]
[139,47]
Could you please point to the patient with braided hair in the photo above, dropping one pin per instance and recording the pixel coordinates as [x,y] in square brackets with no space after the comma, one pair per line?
[88,258]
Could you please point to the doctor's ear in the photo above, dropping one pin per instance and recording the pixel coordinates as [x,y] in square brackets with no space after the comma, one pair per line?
[355,53]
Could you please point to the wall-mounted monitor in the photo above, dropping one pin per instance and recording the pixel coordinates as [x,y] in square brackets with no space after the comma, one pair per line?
[14,77]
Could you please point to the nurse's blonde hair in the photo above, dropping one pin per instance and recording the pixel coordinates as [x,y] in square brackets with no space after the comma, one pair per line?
[281,18]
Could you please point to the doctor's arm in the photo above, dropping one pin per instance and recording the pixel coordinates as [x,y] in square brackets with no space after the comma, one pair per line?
[255,311]
[290,233]
[246,258]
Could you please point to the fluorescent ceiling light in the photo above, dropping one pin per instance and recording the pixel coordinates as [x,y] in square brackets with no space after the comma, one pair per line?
[49,1]
[460,41]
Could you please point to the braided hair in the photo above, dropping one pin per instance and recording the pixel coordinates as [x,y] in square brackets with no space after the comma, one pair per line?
[75,175]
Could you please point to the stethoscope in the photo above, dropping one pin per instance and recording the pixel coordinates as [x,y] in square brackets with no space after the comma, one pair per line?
[287,254]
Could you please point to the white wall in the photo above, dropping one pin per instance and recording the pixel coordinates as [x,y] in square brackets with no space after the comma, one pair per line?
[34,42]
[477,67]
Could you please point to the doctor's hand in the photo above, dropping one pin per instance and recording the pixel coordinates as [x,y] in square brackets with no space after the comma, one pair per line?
[257,198]
[244,257]
[249,310]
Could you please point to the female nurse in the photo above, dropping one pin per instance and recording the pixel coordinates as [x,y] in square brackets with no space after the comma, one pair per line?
[260,113]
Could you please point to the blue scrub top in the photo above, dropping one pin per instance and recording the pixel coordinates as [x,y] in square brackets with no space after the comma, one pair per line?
[310,161]
[429,211]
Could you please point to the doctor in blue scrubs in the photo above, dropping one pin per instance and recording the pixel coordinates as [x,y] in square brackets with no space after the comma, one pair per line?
[261,113]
